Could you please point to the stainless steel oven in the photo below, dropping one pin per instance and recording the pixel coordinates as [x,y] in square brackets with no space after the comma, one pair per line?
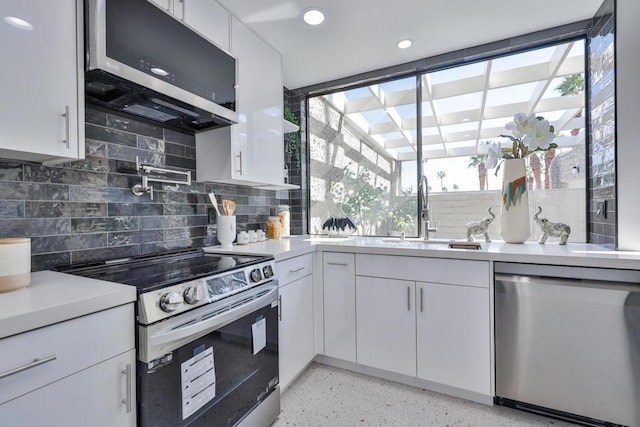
[207,337]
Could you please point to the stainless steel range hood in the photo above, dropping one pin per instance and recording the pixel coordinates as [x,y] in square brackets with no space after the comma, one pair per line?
[144,62]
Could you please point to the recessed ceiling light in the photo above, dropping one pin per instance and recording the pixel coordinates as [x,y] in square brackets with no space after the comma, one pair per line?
[403,44]
[18,23]
[313,17]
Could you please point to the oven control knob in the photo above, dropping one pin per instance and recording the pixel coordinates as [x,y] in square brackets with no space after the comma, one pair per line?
[267,271]
[192,295]
[170,301]
[256,276]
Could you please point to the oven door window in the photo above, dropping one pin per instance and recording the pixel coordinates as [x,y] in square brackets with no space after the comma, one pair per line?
[242,379]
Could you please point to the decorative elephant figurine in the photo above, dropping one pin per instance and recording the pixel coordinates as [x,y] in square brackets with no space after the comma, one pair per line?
[480,227]
[554,229]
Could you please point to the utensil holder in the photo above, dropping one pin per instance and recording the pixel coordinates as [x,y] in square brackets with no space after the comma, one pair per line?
[226,230]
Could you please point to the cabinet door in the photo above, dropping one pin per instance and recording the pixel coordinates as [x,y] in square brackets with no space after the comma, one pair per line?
[40,104]
[295,329]
[339,305]
[386,324]
[209,19]
[163,4]
[96,396]
[259,104]
[453,336]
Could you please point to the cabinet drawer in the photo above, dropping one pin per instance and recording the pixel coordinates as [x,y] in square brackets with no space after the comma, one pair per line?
[293,269]
[94,397]
[434,270]
[68,346]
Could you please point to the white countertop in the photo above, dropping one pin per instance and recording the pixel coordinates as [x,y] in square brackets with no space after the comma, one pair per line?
[54,297]
[573,254]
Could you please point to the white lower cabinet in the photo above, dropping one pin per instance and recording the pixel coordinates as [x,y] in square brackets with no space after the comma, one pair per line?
[296,327]
[80,372]
[453,336]
[339,291]
[386,324]
[426,318]
[97,396]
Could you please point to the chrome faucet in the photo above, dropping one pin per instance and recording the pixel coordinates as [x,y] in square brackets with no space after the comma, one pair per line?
[424,227]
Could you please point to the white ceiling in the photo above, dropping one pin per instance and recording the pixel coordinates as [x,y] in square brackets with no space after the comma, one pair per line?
[361,35]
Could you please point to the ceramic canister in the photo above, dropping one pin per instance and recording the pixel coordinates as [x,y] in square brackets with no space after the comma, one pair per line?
[15,263]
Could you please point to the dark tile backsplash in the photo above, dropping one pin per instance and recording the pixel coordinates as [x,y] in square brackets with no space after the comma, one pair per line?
[298,199]
[602,129]
[85,210]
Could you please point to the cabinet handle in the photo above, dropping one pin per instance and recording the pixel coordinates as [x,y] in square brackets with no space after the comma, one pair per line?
[295,270]
[67,129]
[36,362]
[280,308]
[182,6]
[344,264]
[239,156]
[408,298]
[421,300]
[128,375]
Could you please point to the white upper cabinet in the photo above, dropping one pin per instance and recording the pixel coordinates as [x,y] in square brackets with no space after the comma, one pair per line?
[209,19]
[42,85]
[250,152]
[206,17]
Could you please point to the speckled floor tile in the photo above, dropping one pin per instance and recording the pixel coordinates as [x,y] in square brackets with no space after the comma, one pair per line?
[327,396]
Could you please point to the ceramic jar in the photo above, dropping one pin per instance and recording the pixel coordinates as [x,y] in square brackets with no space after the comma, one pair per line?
[15,264]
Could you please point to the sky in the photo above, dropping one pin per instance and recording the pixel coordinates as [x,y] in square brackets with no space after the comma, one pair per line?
[456,172]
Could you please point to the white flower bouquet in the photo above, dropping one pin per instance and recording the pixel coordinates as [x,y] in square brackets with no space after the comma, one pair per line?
[530,134]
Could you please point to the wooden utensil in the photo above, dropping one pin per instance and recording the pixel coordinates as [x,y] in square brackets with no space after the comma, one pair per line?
[214,202]
[231,207]
[228,206]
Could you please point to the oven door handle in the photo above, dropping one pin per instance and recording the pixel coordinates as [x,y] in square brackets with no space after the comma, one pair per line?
[215,322]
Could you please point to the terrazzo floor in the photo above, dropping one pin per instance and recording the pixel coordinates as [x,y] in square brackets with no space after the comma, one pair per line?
[327,396]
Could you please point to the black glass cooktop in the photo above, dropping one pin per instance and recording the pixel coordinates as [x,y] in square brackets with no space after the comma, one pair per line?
[152,272]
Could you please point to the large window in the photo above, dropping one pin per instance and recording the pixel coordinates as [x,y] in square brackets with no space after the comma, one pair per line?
[366,150]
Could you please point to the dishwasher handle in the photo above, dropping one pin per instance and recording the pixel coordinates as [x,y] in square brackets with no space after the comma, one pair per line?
[523,281]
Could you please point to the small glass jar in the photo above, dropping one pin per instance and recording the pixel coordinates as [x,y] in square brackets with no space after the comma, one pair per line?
[285,220]
[274,229]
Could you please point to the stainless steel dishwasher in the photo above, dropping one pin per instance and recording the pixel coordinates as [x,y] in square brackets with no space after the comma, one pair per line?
[568,342]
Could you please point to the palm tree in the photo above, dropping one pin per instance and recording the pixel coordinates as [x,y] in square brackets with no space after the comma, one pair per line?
[572,85]
[441,175]
[477,161]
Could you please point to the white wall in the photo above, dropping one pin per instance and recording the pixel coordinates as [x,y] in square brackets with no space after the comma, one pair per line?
[628,115]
